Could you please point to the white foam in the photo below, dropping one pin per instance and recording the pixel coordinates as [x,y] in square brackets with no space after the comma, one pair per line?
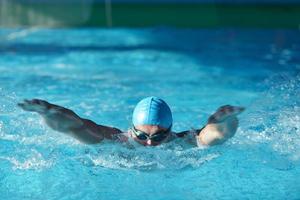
[158,158]
[35,161]
[274,119]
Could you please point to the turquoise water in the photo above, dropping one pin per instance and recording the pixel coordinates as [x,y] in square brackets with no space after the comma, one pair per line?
[101,74]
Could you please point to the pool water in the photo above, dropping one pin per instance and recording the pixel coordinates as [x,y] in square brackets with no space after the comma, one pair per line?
[102,73]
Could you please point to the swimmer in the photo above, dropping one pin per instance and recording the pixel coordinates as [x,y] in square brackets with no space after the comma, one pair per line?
[151,124]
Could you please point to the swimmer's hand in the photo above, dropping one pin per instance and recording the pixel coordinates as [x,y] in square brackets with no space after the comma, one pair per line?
[35,105]
[221,126]
[57,117]
[225,112]
[65,120]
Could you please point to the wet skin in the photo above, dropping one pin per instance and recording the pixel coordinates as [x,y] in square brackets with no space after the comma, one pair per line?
[221,126]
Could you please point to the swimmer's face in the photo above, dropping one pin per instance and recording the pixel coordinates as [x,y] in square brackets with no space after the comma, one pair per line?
[150,130]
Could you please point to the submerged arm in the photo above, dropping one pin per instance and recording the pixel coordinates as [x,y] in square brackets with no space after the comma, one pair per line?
[64,120]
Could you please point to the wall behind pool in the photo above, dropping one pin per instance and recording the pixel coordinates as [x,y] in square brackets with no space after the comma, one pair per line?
[138,13]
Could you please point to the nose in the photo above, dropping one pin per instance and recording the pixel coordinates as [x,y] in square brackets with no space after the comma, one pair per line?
[149,142]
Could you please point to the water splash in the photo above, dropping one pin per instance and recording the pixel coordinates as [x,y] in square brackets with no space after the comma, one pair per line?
[162,158]
[274,119]
[29,160]
[8,102]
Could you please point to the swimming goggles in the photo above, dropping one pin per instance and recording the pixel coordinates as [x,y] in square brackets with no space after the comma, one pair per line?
[157,137]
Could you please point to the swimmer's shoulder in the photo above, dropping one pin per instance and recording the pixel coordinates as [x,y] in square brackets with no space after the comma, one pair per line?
[188,133]
[188,136]
[121,137]
[126,139]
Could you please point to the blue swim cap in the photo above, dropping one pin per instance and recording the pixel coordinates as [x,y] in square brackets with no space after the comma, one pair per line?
[152,111]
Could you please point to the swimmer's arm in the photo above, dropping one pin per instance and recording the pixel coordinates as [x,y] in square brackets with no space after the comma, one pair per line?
[64,120]
[221,126]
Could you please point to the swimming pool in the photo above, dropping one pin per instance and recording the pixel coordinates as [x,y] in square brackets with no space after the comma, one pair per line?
[103,73]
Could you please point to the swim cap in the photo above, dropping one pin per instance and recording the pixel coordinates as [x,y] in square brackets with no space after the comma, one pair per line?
[152,111]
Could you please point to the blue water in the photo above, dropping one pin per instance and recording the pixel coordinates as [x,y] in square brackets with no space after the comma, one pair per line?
[101,74]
